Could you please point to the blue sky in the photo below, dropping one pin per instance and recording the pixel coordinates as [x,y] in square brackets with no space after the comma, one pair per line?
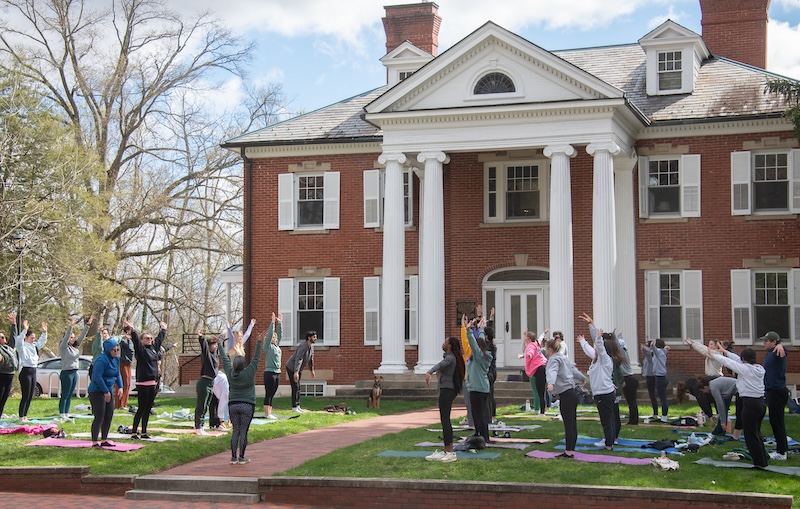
[323,51]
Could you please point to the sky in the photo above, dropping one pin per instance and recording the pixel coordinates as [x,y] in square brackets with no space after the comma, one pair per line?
[323,51]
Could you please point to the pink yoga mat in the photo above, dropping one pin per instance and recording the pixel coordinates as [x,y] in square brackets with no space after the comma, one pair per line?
[592,458]
[184,431]
[521,440]
[63,442]
[37,429]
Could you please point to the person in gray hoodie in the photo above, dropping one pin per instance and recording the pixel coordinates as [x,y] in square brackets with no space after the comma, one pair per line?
[302,357]
[70,352]
[451,379]
[8,368]
[561,374]
[603,390]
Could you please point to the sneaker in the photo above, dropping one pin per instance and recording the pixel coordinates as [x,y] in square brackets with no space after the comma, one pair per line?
[664,418]
[244,460]
[272,416]
[449,457]
[436,456]
[200,431]
[145,436]
[464,422]
[297,410]
[135,436]
[234,461]
[775,455]
[718,430]
[601,443]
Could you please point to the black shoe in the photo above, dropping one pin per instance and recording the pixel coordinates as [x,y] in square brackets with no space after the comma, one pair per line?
[565,456]
[135,436]
[106,443]
[145,436]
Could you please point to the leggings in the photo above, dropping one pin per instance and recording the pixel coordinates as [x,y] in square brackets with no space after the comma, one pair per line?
[753,410]
[295,386]
[6,382]
[271,382]
[776,403]
[651,391]
[661,386]
[605,407]
[722,390]
[568,408]
[147,396]
[204,391]
[630,386]
[538,386]
[27,381]
[478,400]
[492,410]
[69,379]
[241,414]
[103,413]
[446,398]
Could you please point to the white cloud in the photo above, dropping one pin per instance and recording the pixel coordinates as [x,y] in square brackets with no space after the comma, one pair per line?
[782,55]
[789,4]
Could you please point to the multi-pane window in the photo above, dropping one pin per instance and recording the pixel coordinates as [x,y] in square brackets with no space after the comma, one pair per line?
[770,181]
[670,303]
[310,200]
[494,83]
[404,74]
[374,198]
[310,308]
[514,192]
[664,186]
[674,302]
[669,70]
[771,308]
[372,310]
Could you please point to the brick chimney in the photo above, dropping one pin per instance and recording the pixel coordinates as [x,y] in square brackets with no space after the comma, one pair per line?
[417,23]
[736,29]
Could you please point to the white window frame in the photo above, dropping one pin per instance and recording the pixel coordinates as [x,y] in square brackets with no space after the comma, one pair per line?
[691,287]
[742,183]
[374,188]
[743,303]
[502,186]
[689,170]
[678,62]
[287,305]
[372,310]
[288,197]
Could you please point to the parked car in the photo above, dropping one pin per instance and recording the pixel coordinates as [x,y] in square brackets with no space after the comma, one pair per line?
[48,372]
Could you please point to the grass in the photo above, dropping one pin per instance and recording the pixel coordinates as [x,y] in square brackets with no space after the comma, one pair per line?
[361,460]
[188,448]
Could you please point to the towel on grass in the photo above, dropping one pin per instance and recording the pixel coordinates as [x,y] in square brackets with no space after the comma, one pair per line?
[63,442]
[736,464]
[421,454]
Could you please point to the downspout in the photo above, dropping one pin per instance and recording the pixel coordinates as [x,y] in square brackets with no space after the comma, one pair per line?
[248,242]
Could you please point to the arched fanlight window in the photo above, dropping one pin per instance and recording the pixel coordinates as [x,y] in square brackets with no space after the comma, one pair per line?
[494,83]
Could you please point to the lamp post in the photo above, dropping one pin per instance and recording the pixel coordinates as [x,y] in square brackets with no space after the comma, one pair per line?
[19,242]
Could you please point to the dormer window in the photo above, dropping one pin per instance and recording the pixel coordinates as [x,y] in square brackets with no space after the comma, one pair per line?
[402,75]
[669,70]
[494,83]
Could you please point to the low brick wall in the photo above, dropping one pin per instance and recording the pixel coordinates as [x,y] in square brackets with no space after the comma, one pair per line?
[413,494]
[69,480]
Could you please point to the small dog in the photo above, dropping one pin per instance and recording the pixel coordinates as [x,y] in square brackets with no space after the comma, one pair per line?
[374,400]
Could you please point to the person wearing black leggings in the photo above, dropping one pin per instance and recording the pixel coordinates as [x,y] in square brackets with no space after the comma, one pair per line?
[561,374]
[27,347]
[241,399]
[272,367]
[451,370]
[8,368]
[146,349]
[104,385]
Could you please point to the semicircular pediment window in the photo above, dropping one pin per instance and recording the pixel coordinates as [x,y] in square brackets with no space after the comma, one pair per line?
[520,275]
[494,83]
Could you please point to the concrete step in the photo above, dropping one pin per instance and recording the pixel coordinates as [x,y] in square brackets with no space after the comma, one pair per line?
[193,496]
[243,490]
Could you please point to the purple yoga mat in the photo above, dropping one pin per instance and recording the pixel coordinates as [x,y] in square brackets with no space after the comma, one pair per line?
[592,458]
[63,442]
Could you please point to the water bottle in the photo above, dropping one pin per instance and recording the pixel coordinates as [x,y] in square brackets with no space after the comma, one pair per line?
[527,405]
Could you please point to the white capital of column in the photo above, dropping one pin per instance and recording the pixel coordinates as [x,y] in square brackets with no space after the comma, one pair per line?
[393,282]
[604,235]
[431,258]
[562,306]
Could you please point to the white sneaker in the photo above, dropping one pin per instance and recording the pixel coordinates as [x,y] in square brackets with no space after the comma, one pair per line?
[271,416]
[664,418]
[775,455]
[200,431]
[464,422]
[601,443]
[297,410]
[449,457]
[436,456]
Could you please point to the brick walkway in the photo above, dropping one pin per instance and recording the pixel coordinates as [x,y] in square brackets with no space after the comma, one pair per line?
[267,458]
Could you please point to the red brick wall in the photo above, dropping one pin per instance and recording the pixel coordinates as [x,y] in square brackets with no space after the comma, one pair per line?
[417,23]
[736,29]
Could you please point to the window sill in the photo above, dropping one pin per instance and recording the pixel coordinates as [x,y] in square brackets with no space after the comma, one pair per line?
[515,224]
[317,347]
[309,232]
[407,347]
[408,228]
[770,217]
[663,220]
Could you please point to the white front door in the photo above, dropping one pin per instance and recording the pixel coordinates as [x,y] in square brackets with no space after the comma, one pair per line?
[522,310]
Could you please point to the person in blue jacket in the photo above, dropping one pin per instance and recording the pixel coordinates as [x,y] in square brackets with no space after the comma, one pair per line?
[105,374]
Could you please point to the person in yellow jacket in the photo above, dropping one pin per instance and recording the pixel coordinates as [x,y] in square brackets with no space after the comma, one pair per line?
[467,353]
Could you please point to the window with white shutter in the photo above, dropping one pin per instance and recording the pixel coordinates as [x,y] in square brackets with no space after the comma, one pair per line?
[669,186]
[674,305]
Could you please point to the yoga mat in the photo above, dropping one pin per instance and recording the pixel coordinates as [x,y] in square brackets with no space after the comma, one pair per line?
[742,464]
[211,433]
[617,448]
[30,430]
[520,447]
[279,417]
[628,442]
[422,454]
[592,458]
[63,442]
[521,440]
[122,436]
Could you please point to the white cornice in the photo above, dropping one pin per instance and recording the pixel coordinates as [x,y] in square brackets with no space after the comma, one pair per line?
[313,150]
[715,128]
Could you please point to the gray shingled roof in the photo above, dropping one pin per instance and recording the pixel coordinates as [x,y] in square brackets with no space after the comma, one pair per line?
[724,89]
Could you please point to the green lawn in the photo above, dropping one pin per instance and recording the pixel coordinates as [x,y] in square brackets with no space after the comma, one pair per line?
[361,460]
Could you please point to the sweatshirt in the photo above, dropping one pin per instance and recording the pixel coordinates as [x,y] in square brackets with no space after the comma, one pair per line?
[105,372]
[147,356]
[303,356]
[242,385]
[775,371]
[71,354]
[274,352]
[562,373]
[446,369]
[478,367]
[750,382]
[601,368]
[28,355]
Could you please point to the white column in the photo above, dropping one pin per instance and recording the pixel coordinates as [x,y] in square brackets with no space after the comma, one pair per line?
[604,236]
[626,260]
[393,280]
[431,258]
[562,305]
[228,303]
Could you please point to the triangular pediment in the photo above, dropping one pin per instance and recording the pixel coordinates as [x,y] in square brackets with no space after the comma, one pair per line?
[535,76]
[670,33]
[405,51]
